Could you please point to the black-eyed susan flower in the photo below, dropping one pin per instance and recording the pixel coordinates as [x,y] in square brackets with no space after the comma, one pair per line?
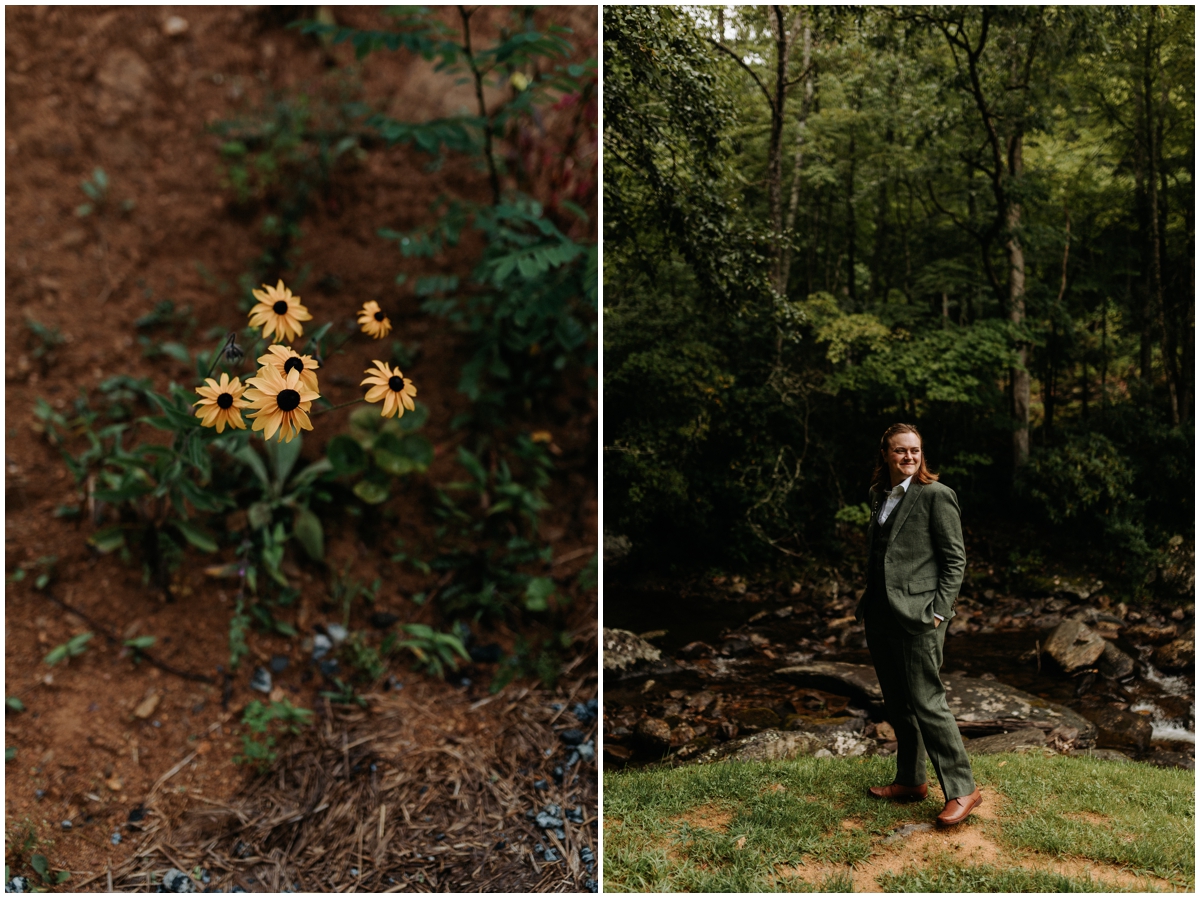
[220,403]
[281,402]
[391,386]
[284,359]
[373,321]
[278,312]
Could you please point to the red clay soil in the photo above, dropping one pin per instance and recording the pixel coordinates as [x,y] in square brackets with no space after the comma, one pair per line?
[120,89]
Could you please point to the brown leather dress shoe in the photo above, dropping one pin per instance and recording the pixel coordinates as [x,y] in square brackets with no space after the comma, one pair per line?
[958,809]
[896,792]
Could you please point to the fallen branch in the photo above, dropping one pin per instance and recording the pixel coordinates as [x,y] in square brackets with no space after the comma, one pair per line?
[116,640]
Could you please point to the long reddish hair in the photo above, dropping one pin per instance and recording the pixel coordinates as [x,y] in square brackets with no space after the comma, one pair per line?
[880,477]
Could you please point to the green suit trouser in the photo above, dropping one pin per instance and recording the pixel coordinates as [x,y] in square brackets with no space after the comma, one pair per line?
[915,700]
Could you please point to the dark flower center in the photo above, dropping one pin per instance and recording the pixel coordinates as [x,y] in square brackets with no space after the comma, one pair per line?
[280,307]
[225,400]
[396,383]
[287,400]
[379,316]
[293,364]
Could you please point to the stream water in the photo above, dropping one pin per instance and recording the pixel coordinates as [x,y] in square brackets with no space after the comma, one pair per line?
[1000,643]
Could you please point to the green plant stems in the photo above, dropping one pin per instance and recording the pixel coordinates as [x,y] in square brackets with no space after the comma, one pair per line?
[221,352]
[334,408]
[487,122]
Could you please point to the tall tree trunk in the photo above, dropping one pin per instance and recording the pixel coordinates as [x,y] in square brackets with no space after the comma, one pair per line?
[1016,308]
[1189,315]
[798,164]
[851,227]
[1154,237]
[775,151]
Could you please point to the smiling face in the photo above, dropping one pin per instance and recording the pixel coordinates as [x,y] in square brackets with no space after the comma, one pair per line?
[903,456]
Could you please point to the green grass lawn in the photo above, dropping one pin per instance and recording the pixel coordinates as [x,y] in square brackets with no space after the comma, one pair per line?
[1047,825]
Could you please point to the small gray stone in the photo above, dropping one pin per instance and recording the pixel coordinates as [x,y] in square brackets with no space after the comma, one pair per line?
[587,751]
[261,681]
[322,645]
[178,882]
[551,856]
[337,633]
[546,821]
[905,831]
[115,838]
[279,663]
[17,884]
[66,824]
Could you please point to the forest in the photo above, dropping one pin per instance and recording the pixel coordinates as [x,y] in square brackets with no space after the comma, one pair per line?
[819,221]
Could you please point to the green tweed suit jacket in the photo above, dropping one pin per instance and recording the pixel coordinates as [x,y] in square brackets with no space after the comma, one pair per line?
[925,558]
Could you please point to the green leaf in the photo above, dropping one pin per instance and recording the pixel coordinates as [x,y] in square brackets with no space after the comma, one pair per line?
[196,536]
[415,419]
[396,465]
[283,457]
[307,529]
[419,450]
[346,455]
[259,515]
[10,754]
[107,540]
[141,642]
[537,593]
[247,456]
[371,493]
[56,654]
[14,703]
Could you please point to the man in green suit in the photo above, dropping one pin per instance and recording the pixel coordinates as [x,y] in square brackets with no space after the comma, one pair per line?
[916,566]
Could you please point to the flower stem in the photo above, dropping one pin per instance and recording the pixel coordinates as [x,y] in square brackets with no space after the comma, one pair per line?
[220,352]
[333,408]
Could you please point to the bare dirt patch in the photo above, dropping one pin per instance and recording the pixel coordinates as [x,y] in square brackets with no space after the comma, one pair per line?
[969,845]
[710,817]
[1088,817]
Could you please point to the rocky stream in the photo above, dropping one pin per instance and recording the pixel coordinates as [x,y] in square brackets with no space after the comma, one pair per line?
[726,668]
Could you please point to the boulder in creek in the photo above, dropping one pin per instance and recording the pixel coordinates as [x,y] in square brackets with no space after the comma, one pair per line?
[1143,633]
[1170,759]
[984,706]
[1122,730]
[752,720]
[1114,663]
[1073,645]
[805,723]
[1176,655]
[1023,739]
[654,735]
[856,680]
[775,745]
[980,706]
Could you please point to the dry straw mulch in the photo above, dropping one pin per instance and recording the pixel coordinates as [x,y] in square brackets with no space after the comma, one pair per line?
[423,790]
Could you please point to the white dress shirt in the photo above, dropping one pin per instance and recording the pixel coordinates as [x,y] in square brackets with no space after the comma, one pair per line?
[893,499]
